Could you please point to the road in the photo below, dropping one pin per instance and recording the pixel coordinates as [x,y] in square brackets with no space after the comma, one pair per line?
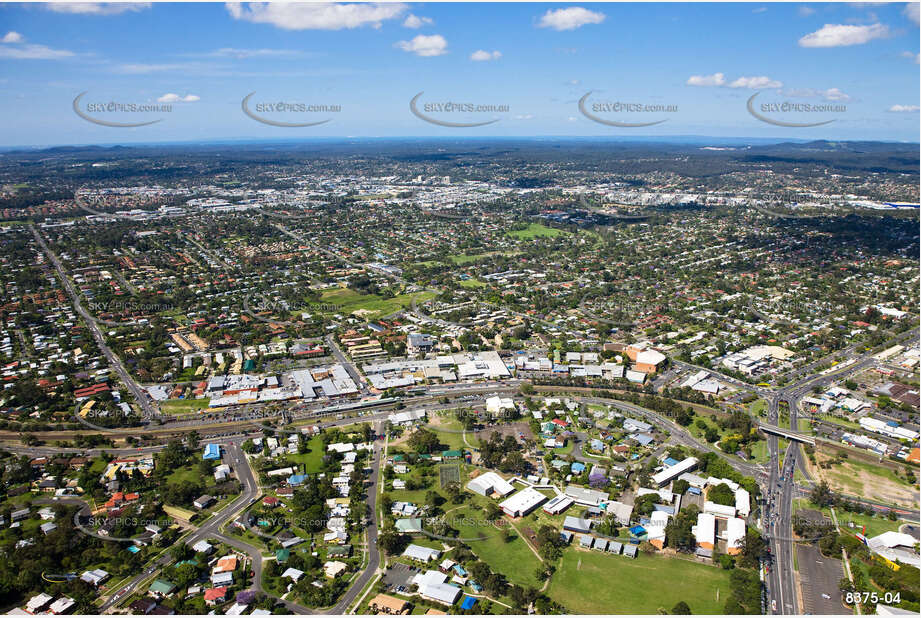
[143,399]
[374,555]
[340,357]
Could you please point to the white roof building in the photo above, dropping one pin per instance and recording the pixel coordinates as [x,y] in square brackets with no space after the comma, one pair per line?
[558,504]
[719,510]
[495,405]
[419,553]
[896,547]
[735,534]
[291,573]
[523,502]
[743,502]
[705,530]
[586,497]
[669,474]
[490,483]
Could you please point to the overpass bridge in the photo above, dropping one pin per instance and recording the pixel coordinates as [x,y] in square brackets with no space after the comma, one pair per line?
[787,433]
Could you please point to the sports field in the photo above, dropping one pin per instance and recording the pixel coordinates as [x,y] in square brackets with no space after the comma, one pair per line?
[590,582]
[535,230]
[448,474]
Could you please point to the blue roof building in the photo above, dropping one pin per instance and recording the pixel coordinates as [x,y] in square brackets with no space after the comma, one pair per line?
[212,451]
[637,531]
[577,467]
[468,603]
[297,479]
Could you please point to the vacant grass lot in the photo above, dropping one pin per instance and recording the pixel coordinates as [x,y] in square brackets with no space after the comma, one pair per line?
[313,460]
[371,305]
[535,230]
[875,482]
[178,407]
[589,582]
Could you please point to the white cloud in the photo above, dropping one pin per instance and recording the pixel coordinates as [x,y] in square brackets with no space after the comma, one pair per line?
[12,37]
[905,109]
[144,69]
[761,9]
[415,22]
[806,11]
[762,81]
[175,98]
[481,55]
[841,35]
[717,79]
[97,8]
[422,45]
[524,116]
[912,56]
[912,10]
[233,52]
[315,15]
[34,52]
[835,94]
[570,19]
[831,94]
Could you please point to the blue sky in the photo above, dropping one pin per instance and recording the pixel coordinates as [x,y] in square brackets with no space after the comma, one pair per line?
[696,64]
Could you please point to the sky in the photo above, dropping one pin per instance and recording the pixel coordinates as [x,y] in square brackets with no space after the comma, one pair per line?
[845,71]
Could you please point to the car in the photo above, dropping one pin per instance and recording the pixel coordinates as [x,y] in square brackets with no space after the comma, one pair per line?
[825,596]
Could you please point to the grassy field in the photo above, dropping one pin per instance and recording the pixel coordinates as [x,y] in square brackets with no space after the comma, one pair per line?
[875,525]
[472,284]
[837,420]
[312,460]
[460,259]
[178,407]
[370,305]
[178,513]
[760,452]
[514,558]
[535,230]
[450,432]
[588,582]
[187,473]
[875,482]
[758,407]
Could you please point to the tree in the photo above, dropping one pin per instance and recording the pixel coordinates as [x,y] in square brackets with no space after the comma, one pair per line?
[721,494]
[391,541]
[821,495]
[424,441]
[681,609]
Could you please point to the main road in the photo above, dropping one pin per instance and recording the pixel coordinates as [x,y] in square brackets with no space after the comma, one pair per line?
[115,362]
